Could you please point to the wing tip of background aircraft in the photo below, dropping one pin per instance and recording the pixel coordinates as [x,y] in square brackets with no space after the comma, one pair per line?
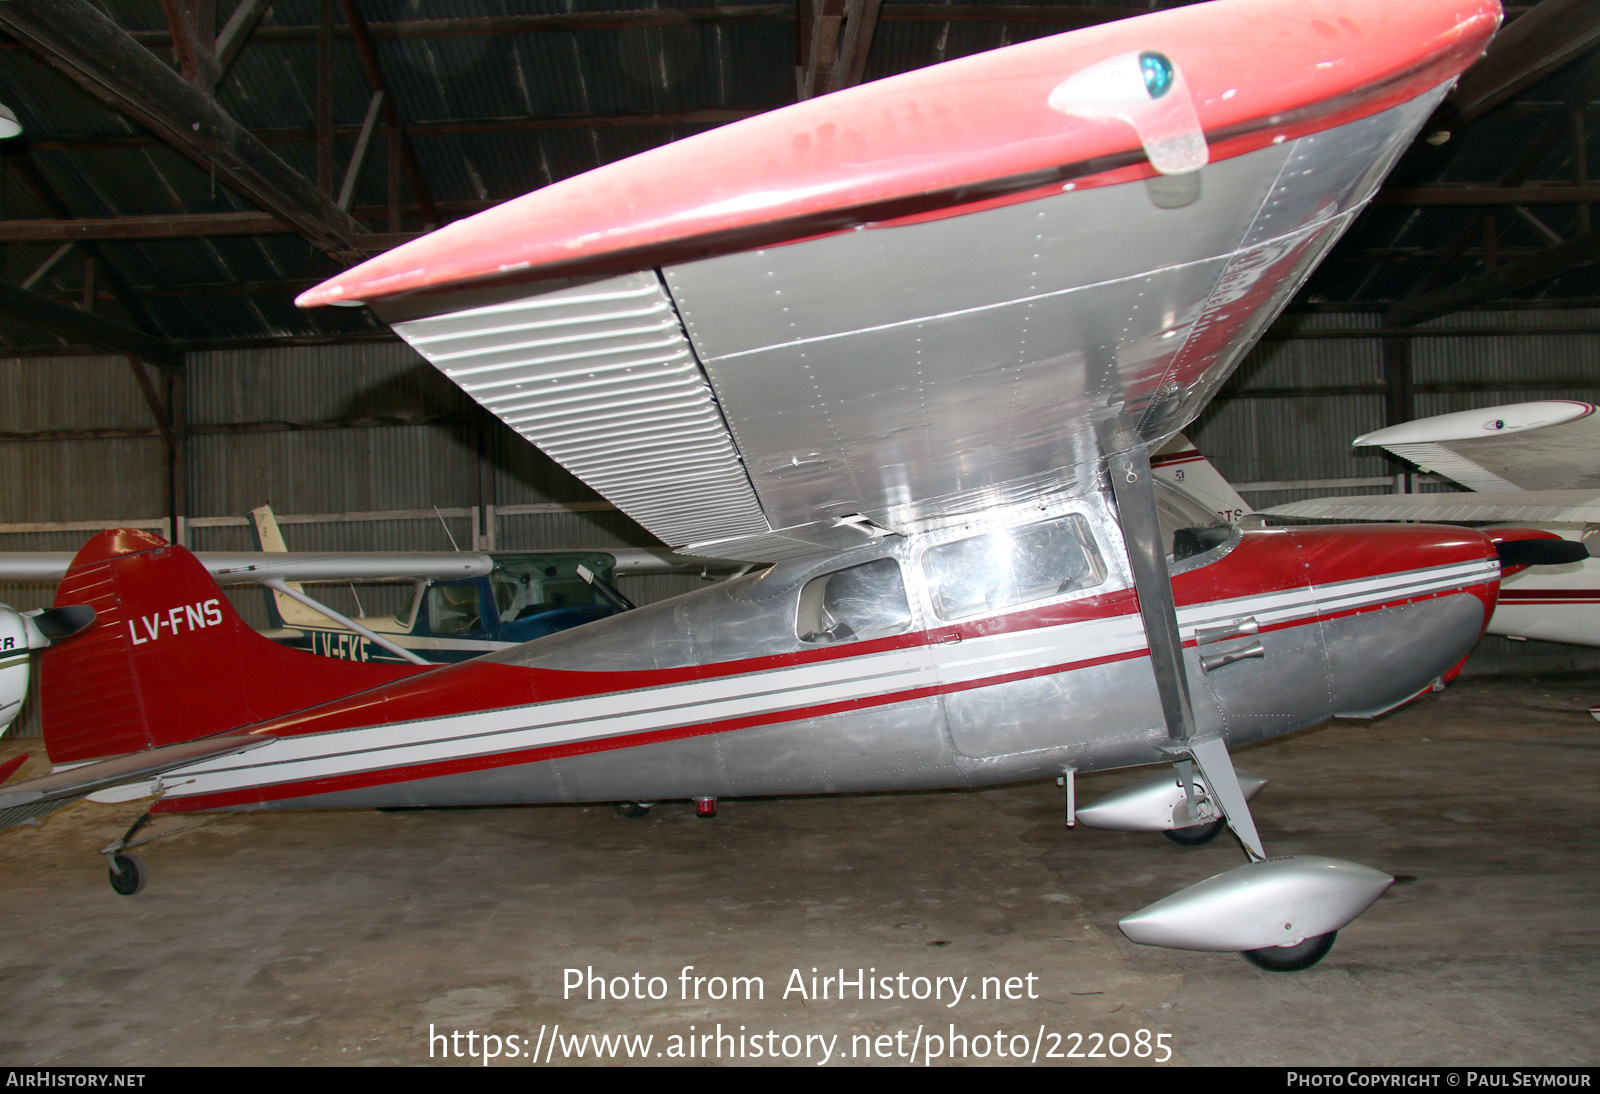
[1480,424]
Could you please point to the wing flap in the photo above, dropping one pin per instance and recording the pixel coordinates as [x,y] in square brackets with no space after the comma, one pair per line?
[600,375]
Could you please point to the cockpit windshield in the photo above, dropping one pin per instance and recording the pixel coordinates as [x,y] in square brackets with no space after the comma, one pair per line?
[525,585]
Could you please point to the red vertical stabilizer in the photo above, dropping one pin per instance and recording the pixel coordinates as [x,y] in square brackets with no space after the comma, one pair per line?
[168,659]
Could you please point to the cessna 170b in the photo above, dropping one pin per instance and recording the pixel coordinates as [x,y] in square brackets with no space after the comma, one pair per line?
[909,343]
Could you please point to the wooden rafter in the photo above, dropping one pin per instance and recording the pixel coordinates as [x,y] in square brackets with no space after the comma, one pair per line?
[72,322]
[193,26]
[31,178]
[832,40]
[1547,37]
[75,38]
[391,111]
[437,127]
[1506,278]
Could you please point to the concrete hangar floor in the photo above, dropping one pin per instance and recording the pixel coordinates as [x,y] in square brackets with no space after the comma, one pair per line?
[388,938]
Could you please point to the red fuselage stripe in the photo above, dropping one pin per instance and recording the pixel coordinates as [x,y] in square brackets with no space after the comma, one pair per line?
[382,776]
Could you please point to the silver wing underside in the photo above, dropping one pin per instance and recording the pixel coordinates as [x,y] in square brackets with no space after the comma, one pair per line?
[794,400]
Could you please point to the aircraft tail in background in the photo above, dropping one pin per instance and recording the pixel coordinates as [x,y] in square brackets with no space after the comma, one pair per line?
[1183,465]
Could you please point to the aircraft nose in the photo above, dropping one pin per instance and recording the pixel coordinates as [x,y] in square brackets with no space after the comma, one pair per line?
[1400,607]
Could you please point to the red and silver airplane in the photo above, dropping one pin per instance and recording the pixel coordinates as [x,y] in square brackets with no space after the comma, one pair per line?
[910,344]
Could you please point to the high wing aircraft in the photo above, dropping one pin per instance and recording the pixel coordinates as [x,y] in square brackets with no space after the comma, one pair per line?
[910,343]
[1536,463]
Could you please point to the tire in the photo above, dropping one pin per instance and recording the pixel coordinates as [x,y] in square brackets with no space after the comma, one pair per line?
[1302,955]
[127,874]
[1196,834]
[631,810]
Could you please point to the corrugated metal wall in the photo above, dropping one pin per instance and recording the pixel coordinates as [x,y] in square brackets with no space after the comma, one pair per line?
[369,427]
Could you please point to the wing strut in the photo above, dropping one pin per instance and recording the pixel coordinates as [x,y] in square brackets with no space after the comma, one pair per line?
[1132,484]
[278,585]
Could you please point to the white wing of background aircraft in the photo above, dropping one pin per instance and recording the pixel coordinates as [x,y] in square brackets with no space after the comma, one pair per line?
[1536,462]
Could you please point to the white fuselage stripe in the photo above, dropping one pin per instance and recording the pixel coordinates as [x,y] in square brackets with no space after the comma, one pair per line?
[876,676]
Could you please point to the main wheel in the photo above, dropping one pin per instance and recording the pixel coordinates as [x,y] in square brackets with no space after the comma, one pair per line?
[1196,834]
[126,873]
[1302,955]
[631,810]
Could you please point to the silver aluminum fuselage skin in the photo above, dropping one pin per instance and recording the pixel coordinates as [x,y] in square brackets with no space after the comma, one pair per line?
[721,693]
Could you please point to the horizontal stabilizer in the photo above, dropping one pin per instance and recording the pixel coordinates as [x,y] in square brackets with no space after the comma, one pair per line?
[9,768]
[34,798]
[1276,902]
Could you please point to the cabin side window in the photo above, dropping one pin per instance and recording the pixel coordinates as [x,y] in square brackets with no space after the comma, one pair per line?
[454,609]
[1012,566]
[865,601]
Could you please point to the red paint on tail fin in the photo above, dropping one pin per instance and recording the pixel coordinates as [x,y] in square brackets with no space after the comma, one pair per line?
[168,659]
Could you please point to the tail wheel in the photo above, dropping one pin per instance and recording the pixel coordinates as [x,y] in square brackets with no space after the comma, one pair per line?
[1302,955]
[127,874]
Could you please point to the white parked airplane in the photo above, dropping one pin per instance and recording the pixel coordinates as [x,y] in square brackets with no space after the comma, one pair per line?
[1535,463]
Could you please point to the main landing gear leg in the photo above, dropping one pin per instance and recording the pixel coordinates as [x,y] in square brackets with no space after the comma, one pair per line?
[1281,914]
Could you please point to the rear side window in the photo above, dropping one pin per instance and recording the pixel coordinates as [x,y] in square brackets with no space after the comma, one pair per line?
[866,601]
[1013,566]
